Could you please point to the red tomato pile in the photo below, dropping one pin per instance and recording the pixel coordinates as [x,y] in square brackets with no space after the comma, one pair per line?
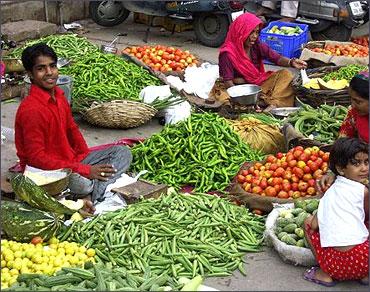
[352,50]
[162,58]
[288,175]
[362,40]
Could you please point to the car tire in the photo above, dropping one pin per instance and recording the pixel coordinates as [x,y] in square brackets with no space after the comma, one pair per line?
[211,28]
[108,13]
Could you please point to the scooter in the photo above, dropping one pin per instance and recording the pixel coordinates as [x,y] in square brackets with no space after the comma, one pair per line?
[210,19]
[328,20]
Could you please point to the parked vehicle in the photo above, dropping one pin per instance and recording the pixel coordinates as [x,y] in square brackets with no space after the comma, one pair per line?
[328,20]
[210,19]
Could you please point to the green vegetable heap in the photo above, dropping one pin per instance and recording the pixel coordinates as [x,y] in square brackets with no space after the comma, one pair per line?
[105,77]
[69,46]
[289,226]
[322,123]
[181,235]
[347,73]
[202,151]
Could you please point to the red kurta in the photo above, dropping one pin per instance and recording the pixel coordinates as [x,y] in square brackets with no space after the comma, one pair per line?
[46,136]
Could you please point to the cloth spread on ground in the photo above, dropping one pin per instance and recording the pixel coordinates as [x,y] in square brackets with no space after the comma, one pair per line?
[355,125]
[238,33]
[46,136]
[341,214]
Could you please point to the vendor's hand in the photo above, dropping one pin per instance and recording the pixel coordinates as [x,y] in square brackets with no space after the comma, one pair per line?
[102,171]
[299,64]
[324,183]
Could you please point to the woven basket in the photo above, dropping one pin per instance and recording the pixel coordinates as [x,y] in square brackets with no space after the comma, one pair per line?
[119,114]
[316,97]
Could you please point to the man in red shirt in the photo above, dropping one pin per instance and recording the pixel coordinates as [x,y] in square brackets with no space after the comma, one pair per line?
[47,137]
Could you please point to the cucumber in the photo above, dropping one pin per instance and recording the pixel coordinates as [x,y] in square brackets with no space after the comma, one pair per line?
[290,227]
[297,211]
[312,206]
[299,231]
[288,239]
[21,222]
[300,243]
[281,234]
[299,220]
[36,196]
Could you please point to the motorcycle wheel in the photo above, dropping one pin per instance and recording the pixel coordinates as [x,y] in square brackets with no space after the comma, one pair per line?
[211,29]
[108,13]
[334,32]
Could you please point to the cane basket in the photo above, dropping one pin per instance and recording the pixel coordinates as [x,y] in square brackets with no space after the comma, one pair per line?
[316,97]
[120,114]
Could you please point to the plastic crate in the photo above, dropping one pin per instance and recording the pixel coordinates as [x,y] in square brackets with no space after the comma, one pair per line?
[288,46]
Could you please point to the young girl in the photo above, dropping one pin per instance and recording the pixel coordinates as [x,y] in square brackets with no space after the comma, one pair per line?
[337,234]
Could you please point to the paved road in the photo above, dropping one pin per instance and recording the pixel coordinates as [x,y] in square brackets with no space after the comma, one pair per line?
[265,270]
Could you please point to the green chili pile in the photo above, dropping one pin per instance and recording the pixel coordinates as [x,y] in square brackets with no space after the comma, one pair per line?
[69,46]
[181,235]
[347,72]
[202,151]
[322,123]
[105,77]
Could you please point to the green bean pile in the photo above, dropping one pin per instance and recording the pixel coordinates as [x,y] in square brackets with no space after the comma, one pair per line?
[105,77]
[347,72]
[202,151]
[181,235]
[322,123]
[100,277]
[69,46]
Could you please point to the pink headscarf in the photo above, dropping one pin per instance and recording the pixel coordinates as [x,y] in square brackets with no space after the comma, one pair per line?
[238,33]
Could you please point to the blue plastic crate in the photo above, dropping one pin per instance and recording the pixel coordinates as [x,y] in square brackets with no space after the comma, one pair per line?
[288,46]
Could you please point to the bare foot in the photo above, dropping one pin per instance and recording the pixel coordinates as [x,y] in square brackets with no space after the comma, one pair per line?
[322,276]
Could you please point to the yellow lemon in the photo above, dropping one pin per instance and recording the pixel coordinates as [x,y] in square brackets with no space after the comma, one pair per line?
[37,259]
[70,250]
[14,272]
[53,246]
[61,251]
[4,285]
[3,263]
[9,256]
[57,262]
[10,264]
[17,265]
[53,240]
[90,252]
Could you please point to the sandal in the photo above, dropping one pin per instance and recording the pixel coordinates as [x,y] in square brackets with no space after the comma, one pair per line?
[309,275]
[364,282]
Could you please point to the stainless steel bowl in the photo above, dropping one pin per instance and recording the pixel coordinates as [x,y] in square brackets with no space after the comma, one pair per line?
[245,94]
[108,49]
[56,187]
[284,111]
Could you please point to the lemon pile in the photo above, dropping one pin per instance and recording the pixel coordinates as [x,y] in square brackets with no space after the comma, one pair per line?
[20,258]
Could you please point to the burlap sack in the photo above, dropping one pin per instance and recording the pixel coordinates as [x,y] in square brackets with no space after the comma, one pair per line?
[254,201]
[277,90]
[293,254]
[309,56]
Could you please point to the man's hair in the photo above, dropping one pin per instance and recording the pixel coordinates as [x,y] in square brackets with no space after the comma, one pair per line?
[360,84]
[31,53]
[344,151]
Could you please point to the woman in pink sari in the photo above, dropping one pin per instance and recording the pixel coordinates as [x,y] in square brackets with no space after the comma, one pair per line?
[241,62]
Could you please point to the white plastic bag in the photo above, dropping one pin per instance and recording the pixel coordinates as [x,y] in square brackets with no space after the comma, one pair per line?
[177,113]
[150,93]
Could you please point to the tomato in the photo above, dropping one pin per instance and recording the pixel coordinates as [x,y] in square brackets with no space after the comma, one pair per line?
[273,166]
[294,186]
[263,183]
[247,187]
[306,169]
[284,164]
[279,155]
[257,212]
[324,167]
[298,172]
[295,178]
[256,190]
[321,153]
[289,157]
[277,188]
[307,177]
[277,180]
[279,172]
[304,157]
[286,186]
[244,172]
[300,148]
[37,239]
[287,175]
[313,166]
[297,153]
[251,169]
[249,178]
[240,178]
[256,182]
[270,191]
[307,151]
[271,159]
[317,174]
[268,173]
[296,195]
[319,162]
[256,172]
[292,163]
[270,181]
[313,157]
[302,186]
[311,191]
[283,195]
[325,157]
[311,182]
[257,165]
